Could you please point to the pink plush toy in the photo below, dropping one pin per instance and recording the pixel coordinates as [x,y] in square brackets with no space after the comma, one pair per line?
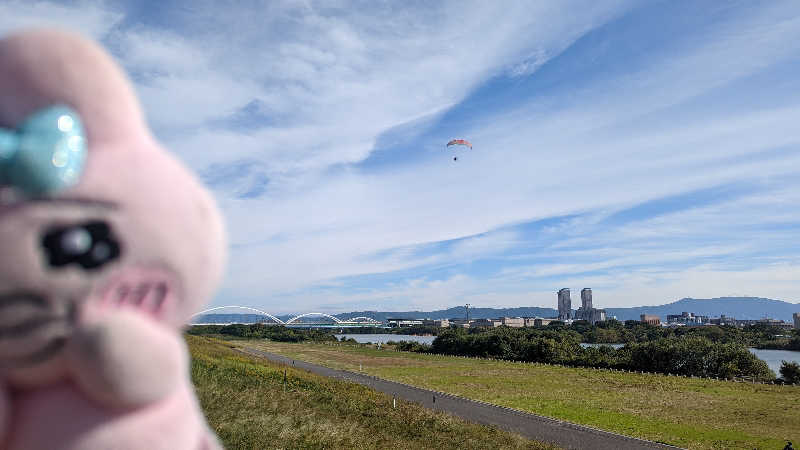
[108,246]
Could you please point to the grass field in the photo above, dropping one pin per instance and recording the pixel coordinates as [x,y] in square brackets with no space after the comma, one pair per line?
[690,413]
[246,404]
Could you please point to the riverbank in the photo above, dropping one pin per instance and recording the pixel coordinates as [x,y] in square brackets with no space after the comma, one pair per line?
[687,412]
[558,432]
[248,404]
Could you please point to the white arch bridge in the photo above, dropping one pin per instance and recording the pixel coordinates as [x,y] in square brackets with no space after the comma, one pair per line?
[362,321]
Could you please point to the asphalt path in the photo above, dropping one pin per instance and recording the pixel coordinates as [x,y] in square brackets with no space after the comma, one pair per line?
[564,434]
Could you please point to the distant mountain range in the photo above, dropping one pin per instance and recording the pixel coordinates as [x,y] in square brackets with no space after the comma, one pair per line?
[750,308]
[457,312]
[739,307]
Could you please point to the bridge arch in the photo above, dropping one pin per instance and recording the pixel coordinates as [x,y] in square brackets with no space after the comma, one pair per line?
[239,307]
[294,319]
[362,319]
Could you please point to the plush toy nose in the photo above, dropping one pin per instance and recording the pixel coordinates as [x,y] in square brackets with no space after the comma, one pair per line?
[151,291]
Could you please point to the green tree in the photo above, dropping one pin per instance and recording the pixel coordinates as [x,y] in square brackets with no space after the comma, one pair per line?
[790,372]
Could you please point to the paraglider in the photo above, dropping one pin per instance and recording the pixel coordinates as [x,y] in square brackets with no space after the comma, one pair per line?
[463,142]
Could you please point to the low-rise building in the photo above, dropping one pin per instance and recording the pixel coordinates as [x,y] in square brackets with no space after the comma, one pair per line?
[781,324]
[687,318]
[404,322]
[650,319]
[461,323]
[487,323]
[597,315]
[539,322]
[441,323]
[766,321]
[514,322]
[723,320]
[592,315]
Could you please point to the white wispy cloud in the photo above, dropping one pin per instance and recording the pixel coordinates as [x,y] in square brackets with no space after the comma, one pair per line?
[91,18]
[277,105]
[558,172]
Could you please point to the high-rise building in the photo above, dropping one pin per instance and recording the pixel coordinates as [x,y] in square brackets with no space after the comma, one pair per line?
[564,304]
[587,311]
[586,299]
[796,317]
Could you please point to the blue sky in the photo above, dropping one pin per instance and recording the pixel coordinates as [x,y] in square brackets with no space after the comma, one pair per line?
[649,150]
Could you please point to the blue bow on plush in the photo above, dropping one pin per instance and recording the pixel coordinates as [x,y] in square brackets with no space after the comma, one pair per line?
[45,154]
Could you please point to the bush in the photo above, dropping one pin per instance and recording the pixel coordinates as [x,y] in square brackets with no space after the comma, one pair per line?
[689,355]
[790,372]
[697,356]
[412,346]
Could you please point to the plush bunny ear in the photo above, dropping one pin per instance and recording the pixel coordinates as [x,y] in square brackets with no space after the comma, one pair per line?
[39,68]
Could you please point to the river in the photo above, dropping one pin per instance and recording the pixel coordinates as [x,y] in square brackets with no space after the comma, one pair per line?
[773,358]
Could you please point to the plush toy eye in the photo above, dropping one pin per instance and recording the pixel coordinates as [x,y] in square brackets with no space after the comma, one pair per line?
[75,241]
[90,245]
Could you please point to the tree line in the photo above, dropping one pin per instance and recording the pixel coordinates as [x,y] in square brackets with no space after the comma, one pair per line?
[616,332]
[678,355]
[263,331]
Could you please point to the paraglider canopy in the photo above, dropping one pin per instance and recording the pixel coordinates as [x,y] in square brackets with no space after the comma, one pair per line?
[463,142]
[460,142]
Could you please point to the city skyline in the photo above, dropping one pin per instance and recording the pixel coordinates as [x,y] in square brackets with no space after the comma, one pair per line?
[646,149]
[741,309]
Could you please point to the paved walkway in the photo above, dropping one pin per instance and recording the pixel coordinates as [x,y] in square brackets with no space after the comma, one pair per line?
[564,434]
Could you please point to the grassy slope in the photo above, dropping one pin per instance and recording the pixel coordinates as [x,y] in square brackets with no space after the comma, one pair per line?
[690,413]
[245,403]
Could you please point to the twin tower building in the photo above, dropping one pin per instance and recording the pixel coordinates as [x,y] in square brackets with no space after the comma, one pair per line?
[585,312]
